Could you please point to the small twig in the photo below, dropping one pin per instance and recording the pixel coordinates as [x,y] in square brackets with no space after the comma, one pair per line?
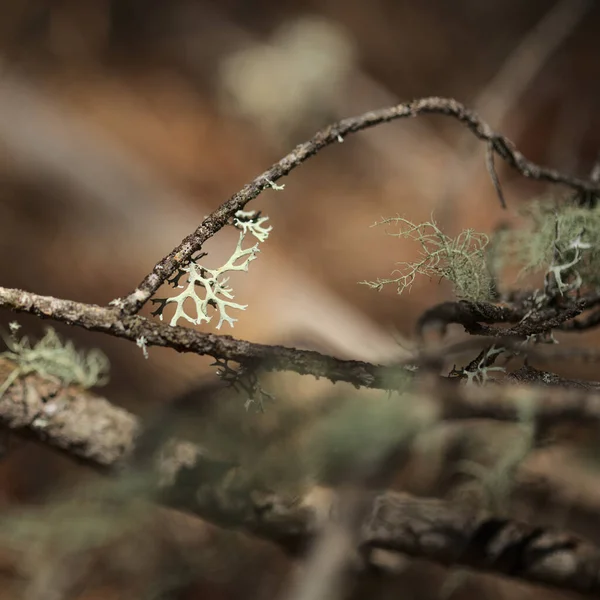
[540,322]
[468,314]
[491,167]
[531,375]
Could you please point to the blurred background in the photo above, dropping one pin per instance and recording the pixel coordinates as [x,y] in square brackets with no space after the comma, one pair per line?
[124,122]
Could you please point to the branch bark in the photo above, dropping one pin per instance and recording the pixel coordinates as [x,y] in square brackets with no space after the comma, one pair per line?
[528,322]
[309,362]
[91,429]
[184,339]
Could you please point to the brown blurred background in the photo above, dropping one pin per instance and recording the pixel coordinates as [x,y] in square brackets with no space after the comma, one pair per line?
[124,122]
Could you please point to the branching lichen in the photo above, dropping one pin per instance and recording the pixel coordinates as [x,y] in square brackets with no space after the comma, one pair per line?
[214,282]
[460,260]
[477,372]
[52,358]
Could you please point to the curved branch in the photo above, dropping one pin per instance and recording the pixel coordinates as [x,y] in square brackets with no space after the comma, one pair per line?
[496,144]
[471,315]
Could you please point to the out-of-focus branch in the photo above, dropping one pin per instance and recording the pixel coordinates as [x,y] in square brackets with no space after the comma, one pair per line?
[454,535]
[497,144]
[506,88]
[184,339]
[529,57]
[55,143]
[471,315]
[93,430]
[548,399]
[88,428]
[588,322]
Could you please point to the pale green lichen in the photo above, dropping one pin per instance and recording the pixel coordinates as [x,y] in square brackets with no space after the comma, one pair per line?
[460,260]
[217,293]
[359,435]
[497,480]
[54,358]
[561,240]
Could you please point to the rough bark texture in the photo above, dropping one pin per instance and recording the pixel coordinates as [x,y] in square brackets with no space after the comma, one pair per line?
[93,430]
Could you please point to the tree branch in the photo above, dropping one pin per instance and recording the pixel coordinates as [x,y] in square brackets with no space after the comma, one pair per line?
[91,429]
[184,339]
[455,535]
[496,144]
[527,321]
[280,358]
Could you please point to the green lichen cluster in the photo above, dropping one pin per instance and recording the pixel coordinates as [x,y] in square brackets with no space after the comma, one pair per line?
[561,240]
[460,260]
[358,436]
[54,358]
[495,478]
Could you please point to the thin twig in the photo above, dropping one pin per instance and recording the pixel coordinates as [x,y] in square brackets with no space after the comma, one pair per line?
[529,322]
[491,167]
[519,69]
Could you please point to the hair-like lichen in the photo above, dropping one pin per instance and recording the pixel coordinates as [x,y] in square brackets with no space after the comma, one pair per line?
[460,260]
